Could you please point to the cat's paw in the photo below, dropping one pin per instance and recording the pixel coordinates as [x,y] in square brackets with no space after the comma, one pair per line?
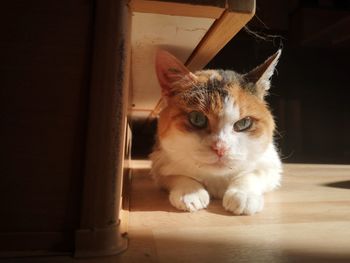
[189,201]
[240,202]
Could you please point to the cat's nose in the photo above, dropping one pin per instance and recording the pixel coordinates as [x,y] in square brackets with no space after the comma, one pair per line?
[219,149]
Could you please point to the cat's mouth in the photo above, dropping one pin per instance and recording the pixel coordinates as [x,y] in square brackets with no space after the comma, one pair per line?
[214,162]
[220,163]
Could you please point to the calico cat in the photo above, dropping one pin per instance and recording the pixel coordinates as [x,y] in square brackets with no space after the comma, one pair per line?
[215,136]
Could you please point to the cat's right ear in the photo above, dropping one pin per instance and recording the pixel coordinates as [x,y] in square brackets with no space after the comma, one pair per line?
[172,74]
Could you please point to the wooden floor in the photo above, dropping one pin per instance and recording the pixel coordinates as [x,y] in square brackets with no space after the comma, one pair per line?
[306,220]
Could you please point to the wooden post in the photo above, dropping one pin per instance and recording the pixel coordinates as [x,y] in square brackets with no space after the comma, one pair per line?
[99,232]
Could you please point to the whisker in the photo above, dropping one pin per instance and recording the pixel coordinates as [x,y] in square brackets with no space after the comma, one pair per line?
[284,157]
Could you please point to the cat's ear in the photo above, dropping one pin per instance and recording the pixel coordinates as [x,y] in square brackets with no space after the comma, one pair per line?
[172,74]
[261,75]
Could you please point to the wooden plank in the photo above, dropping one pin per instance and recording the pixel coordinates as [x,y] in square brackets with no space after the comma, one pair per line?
[221,32]
[207,9]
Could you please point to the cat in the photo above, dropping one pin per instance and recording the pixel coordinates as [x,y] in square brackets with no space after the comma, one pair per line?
[215,136]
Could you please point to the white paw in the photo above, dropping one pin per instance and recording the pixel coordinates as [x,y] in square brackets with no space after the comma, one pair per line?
[190,201]
[240,202]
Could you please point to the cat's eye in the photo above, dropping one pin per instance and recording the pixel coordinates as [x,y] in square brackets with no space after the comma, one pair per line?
[243,124]
[198,119]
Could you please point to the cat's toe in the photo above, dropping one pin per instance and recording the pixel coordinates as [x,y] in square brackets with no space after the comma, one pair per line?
[189,201]
[240,202]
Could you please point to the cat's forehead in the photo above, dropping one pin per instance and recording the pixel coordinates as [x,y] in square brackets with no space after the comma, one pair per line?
[217,78]
[230,110]
[212,92]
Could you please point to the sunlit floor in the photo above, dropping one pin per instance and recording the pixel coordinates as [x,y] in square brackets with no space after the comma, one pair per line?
[306,220]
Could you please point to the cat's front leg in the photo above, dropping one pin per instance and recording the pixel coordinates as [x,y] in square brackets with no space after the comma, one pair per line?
[185,193]
[244,194]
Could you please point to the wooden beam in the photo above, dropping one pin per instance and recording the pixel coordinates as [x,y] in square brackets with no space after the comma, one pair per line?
[180,8]
[221,32]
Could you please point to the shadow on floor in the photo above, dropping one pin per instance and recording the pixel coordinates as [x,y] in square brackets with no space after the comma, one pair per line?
[341,184]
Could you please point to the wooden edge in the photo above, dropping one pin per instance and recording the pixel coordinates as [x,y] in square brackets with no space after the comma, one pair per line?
[156,110]
[125,202]
[316,165]
[130,105]
[221,32]
[178,9]
[241,6]
[139,114]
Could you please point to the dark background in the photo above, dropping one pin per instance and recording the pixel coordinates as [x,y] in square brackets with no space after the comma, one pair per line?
[310,90]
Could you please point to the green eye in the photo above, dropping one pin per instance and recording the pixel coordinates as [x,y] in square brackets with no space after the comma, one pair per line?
[198,119]
[243,124]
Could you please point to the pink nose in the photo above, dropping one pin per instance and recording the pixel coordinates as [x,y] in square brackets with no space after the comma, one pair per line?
[220,150]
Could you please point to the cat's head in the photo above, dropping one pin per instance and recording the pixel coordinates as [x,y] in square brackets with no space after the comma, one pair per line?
[215,119]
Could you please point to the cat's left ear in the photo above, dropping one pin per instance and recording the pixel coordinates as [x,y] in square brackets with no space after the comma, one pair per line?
[260,76]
